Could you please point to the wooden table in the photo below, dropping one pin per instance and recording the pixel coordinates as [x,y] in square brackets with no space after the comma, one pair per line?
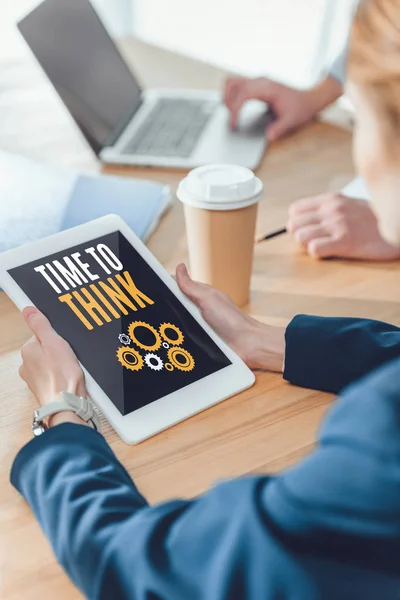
[263,429]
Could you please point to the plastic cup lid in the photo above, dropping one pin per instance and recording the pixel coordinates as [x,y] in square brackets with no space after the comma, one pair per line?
[220,187]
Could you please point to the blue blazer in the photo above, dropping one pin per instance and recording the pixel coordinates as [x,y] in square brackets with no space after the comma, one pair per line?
[328,528]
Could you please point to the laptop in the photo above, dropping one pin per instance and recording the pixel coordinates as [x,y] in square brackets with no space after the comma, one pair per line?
[123,123]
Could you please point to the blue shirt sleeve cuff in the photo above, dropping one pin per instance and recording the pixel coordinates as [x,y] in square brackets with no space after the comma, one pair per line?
[64,434]
[308,360]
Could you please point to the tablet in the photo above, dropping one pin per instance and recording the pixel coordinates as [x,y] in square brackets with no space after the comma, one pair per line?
[149,358]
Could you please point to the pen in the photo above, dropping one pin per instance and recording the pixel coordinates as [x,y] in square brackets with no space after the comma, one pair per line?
[269,236]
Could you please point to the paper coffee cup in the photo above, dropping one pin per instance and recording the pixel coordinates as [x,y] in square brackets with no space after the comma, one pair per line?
[220,204]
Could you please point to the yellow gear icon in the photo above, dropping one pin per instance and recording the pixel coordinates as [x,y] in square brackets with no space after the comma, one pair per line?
[131,331]
[174,341]
[169,366]
[129,358]
[188,365]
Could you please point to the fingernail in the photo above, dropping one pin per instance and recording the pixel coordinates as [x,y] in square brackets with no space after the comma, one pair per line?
[182,269]
[311,250]
[29,311]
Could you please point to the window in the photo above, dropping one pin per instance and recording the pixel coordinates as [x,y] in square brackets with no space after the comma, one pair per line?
[290,40]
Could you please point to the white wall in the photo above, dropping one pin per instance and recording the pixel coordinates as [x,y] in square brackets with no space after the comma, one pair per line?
[116,14]
[289,40]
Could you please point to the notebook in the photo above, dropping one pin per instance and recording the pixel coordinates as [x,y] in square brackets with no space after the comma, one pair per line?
[37,200]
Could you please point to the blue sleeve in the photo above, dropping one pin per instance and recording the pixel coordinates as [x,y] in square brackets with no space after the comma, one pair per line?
[343,501]
[329,353]
[113,545]
[327,528]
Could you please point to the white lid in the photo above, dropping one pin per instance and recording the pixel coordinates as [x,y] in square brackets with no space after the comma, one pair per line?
[220,187]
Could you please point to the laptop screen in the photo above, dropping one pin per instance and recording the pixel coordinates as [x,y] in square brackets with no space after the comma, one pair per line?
[84,65]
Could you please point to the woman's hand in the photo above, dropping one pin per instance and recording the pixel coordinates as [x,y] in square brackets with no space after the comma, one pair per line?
[260,346]
[333,225]
[49,365]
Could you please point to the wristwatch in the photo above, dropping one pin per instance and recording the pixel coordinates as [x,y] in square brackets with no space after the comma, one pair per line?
[65,401]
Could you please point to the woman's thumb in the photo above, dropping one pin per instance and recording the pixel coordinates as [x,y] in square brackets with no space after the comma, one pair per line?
[190,288]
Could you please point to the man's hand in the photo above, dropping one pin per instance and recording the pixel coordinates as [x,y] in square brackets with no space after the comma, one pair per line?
[332,225]
[292,108]
[49,365]
[259,345]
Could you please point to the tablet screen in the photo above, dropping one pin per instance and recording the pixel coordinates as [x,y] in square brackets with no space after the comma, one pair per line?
[126,327]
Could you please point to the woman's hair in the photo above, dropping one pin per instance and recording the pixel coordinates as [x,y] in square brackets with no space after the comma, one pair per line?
[374,61]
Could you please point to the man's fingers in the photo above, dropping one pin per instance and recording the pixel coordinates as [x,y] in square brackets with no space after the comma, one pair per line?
[231,86]
[249,89]
[237,102]
[38,324]
[296,222]
[324,247]
[277,129]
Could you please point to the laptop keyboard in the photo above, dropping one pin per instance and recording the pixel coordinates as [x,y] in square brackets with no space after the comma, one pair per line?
[172,128]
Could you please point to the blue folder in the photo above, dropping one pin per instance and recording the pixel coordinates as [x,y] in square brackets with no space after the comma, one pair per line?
[37,200]
[139,203]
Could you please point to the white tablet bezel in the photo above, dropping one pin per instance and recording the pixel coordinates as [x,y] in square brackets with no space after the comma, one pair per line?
[170,409]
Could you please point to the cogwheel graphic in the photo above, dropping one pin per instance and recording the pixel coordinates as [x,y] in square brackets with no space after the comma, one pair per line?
[153,361]
[124,339]
[177,339]
[157,339]
[169,367]
[188,361]
[129,358]
[165,345]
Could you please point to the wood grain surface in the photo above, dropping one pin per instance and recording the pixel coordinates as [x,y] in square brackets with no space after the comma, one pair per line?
[263,429]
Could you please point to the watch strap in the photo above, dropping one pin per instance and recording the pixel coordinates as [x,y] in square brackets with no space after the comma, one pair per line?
[66,401]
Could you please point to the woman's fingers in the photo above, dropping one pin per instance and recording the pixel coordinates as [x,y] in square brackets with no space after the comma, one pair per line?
[297,221]
[186,283]
[195,291]
[312,204]
[22,372]
[319,240]
[38,324]
[30,347]
[325,247]
[306,234]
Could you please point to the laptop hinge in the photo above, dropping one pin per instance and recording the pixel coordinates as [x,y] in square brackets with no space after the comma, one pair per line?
[120,128]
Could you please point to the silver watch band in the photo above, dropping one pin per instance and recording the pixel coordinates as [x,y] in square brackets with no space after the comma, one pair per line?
[82,407]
